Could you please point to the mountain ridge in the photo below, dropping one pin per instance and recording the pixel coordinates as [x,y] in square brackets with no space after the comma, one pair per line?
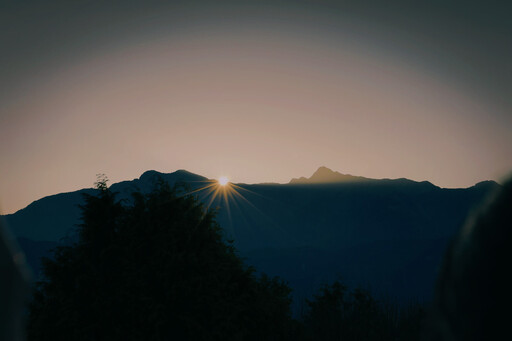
[326,175]
[305,232]
[318,177]
[49,218]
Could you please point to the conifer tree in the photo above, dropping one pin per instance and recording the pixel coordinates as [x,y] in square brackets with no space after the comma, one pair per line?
[156,269]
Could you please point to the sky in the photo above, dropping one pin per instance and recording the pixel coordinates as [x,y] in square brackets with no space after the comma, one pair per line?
[255,91]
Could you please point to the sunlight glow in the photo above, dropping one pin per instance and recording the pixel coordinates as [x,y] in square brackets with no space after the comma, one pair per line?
[225,194]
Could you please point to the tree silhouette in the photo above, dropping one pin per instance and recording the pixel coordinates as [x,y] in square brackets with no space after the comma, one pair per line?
[337,313]
[156,269]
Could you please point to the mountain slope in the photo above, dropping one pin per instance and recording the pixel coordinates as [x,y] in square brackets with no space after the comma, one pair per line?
[55,217]
[388,234]
[326,175]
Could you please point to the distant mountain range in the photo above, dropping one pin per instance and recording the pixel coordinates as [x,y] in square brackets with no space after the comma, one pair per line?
[324,175]
[387,235]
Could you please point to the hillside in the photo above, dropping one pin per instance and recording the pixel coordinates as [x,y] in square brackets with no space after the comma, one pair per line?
[386,234]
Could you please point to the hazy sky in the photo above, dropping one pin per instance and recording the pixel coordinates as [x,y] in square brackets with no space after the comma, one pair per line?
[260,92]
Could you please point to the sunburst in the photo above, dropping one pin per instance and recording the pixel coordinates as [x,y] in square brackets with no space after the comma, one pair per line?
[229,194]
[223,181]
[216,189]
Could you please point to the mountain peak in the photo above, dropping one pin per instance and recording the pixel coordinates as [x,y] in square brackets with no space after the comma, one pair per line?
[327,175]
[149,174]
[323,171]
[180,175]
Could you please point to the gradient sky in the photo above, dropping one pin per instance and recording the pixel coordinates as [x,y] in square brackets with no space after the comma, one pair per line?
[259,92]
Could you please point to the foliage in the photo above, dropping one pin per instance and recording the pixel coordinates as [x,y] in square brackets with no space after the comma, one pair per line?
[339,314]
[158,269]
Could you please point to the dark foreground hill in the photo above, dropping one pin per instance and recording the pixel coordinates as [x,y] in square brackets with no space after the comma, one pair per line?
[388,235]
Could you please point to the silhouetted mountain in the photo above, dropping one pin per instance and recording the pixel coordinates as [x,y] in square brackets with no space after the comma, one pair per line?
[326,175]
[150,178]
[34,250]
[387,234]
[54,217]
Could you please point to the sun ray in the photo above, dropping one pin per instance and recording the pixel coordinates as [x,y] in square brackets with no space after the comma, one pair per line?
[199,189]
[213,196]
[228,209]
[228,195]
[233,199]
[210,193]
[259,194]
[248,190]
[239,195]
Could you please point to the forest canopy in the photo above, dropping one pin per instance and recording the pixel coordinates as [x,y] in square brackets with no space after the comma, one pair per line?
[158,268]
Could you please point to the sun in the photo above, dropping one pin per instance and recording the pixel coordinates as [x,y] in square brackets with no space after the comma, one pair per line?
[223,181]
[217,191]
